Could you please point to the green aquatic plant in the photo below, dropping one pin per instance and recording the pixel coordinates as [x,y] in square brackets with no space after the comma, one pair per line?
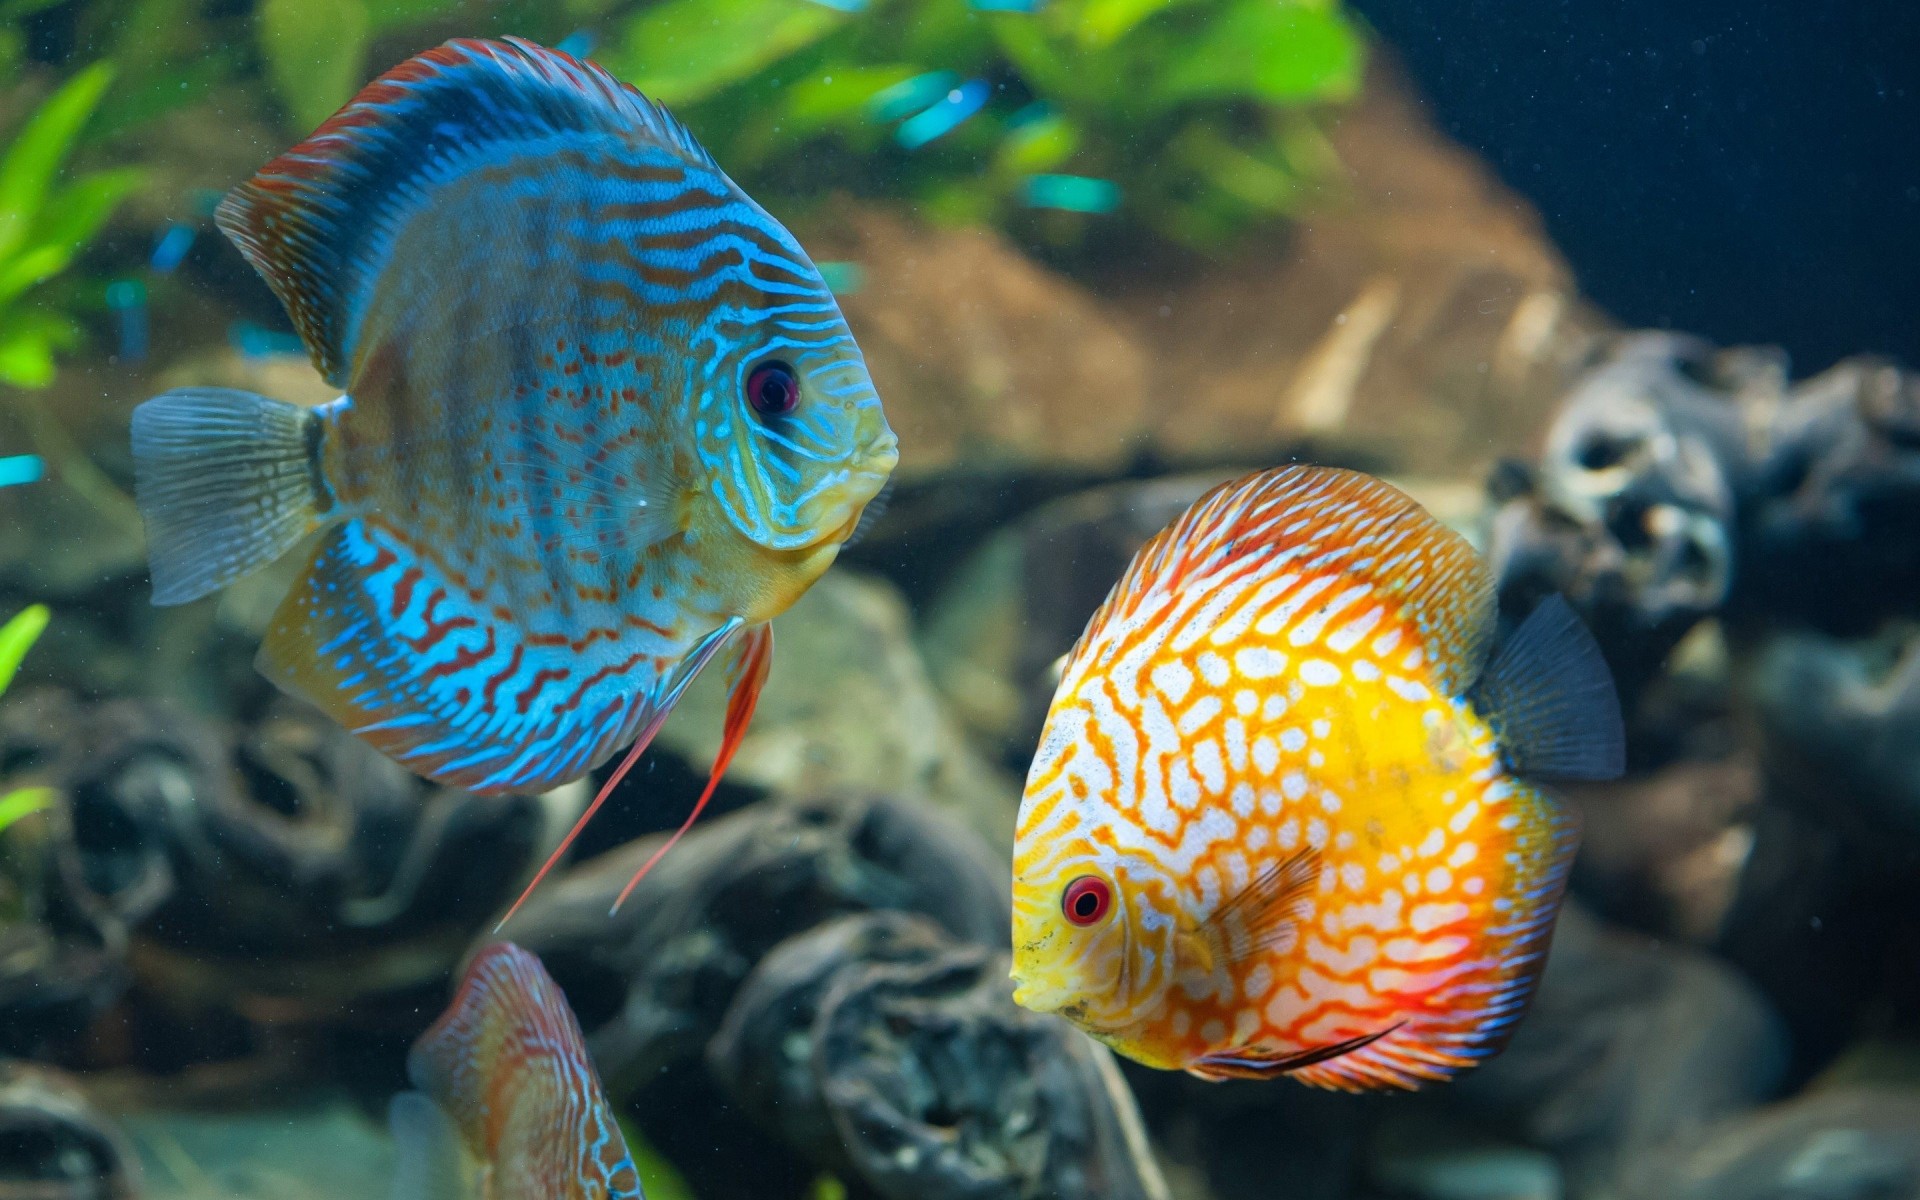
[316,51]
[16,638]
[1191,117]
[44,224]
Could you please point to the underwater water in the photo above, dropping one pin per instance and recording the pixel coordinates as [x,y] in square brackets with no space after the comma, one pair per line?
[957,600]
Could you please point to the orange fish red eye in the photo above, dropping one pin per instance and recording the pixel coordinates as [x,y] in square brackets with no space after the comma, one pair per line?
[1086,900]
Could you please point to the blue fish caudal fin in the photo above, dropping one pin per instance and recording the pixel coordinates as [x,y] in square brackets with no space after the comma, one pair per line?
[1549,697]
[432,1162]
[316,222]
[227,481]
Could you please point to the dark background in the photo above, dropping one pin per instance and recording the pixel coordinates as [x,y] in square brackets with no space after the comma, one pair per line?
[1746,171]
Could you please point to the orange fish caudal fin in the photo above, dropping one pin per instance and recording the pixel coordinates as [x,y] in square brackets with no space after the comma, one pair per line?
[1280,821]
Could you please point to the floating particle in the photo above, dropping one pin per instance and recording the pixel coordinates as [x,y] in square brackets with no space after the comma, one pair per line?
[911,95]
[128,299]
[944,115]
[579,43]
[172,247]
[843,278]
[21,468]
[1074,193]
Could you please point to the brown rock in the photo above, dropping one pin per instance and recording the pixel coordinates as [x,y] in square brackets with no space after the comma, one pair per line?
[1418,312]
[982,355]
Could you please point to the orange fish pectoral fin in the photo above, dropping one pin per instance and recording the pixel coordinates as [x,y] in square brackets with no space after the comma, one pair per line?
[1265,915]
[753,655]
[1246,1065]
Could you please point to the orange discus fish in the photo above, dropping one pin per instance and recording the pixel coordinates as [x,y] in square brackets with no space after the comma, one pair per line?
[1279,820]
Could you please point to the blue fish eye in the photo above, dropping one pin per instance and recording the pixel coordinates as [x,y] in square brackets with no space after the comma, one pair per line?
[773,389]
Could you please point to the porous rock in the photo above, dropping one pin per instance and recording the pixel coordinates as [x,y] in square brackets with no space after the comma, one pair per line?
[897,1055]
[1855,1143]
[54,1145]
[282,865]
[1630,1047]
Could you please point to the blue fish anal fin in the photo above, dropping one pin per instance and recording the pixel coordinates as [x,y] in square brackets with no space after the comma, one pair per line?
[1550,699]
[315,222]
[652,714]
[432,1163]
[419,669]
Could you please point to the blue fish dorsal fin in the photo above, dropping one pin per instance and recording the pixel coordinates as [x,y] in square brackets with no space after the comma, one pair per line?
[1550,699]
[315,221]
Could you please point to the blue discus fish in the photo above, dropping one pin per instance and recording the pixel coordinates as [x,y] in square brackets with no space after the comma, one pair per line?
[509,1106]
[602,417]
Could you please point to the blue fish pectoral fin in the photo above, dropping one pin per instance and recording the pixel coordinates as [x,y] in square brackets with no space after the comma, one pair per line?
[653,714]
[1217,1067]
[385,640]
[1549,697]
[432,1162]
[227,481]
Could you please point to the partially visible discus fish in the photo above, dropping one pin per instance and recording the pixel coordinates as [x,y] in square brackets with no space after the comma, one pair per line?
[1280,818]
[601,417]
[509,1106]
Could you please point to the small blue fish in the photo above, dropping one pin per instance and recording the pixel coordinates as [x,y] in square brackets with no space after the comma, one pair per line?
[509,1106]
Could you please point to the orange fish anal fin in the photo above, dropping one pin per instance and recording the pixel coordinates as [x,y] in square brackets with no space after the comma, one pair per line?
[753,657]
[1264,917]
[1217,1067]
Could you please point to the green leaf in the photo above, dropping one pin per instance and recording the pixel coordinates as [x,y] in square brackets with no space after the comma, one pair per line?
[17,637]
[1274,50]
[34,265]
[24,803]
[315,52]
[839,96]
[681,51]
[1104,22]
[27,170]
[26,357]
[383,15]
[78,210]
[1037,147]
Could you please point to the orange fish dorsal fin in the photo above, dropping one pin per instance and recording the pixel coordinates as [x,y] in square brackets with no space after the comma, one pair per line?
[316,221]
[1308,520]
